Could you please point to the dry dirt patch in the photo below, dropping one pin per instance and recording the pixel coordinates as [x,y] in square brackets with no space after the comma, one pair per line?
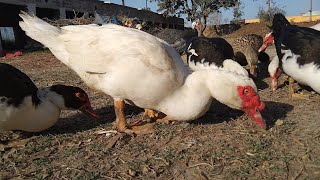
[223,144]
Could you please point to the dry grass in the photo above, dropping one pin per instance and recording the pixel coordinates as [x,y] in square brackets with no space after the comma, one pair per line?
[223,144]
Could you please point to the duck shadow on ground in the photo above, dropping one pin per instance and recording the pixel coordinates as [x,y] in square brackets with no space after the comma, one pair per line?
[274,111]
[81,122]
[219,113]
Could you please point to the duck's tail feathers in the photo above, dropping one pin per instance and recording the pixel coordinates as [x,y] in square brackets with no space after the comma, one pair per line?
[39,30]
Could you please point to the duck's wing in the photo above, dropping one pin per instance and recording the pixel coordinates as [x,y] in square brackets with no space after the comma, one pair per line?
[233,66]
[15,84]
[304,42]
[94,48]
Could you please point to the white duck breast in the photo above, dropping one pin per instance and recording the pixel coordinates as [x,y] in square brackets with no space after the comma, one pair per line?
[134,66]
[307,74]
[28,116]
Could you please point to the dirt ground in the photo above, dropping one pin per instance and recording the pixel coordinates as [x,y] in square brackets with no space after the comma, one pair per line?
[223,144]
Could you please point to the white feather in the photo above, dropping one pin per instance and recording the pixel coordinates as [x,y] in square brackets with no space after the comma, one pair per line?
[308,74]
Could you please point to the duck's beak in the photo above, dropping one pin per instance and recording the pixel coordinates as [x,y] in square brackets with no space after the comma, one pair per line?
[263,47]
[87,109]
[253,71]
[255,114]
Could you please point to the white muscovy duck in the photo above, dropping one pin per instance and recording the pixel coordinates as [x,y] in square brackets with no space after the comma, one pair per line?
[298,54]
[212,53]
[135,67]
[25,107]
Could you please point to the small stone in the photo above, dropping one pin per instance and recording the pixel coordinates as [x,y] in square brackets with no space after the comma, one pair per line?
[145,170]
[279,122]
[132,172]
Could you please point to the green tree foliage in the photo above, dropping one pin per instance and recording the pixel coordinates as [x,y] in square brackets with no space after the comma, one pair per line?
[195,10]
[264,15]
[237,11]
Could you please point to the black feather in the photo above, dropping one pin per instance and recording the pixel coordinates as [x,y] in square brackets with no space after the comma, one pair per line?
[15,86]
[211,50]
[302,41]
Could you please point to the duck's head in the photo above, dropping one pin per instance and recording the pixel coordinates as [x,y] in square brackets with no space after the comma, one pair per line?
[70,97]
[252,58]
[279,22]
[268,40]
[240,92]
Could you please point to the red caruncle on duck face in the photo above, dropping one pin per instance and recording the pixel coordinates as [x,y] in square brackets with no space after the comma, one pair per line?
[268,40]
[251,104]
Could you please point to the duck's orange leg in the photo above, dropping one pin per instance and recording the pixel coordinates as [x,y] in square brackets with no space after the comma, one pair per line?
[121,123]
[293,94]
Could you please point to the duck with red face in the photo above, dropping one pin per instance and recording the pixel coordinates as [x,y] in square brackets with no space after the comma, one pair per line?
[298,54]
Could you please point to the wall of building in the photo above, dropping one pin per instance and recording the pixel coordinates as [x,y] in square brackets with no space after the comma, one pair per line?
[60,8]
[56,9]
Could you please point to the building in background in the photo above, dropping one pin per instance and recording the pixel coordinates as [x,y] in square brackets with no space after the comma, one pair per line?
[55,9]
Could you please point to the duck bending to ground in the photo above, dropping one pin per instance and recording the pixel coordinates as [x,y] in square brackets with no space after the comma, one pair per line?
[137,68]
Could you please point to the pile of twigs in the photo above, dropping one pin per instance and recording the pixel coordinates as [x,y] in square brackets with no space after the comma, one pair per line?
[66,22]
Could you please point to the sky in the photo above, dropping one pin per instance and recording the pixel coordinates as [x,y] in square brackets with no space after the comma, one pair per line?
[251,7]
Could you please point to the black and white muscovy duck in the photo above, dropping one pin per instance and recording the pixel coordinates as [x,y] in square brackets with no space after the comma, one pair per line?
[298,54]
[137,68]
[25,107]
[269,40]
[212,53]
[178,39]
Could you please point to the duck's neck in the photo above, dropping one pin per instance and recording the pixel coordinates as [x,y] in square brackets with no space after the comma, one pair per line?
[194,98]
[34,117]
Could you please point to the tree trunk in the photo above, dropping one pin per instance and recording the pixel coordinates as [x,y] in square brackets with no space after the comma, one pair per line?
[268,10]
[203,26]
[122,2]
[310,18]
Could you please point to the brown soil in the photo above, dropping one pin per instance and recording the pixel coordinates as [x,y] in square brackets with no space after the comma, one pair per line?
[223,144]
[262,29]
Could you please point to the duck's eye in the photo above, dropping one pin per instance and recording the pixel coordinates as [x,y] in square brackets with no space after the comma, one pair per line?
[246,91]
[81,96]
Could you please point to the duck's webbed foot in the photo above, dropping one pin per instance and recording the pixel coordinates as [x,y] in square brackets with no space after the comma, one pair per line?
[166,119]
[121,123]
[293,94]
